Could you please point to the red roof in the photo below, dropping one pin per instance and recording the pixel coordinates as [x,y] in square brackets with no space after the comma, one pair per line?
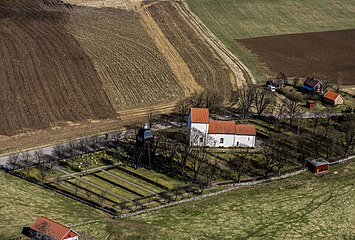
[222,127]
[52,229]
[199,115]
[229,127]
[244,129]
[331,95]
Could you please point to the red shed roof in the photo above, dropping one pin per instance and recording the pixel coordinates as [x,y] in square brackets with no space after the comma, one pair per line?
[229,127]
[199,115]
[331,95]
[50,228]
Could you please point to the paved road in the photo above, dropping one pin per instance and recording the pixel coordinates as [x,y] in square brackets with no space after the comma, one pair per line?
[112,135]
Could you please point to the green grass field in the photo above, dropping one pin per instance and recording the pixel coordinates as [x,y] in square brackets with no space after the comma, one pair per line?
[22,202]
[230,20]
[302,207]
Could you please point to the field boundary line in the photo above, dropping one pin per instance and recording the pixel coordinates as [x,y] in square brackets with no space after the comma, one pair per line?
[233,187]
[232,61]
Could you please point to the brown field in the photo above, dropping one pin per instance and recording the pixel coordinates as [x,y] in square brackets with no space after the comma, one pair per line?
[326,55]
[69,71]
[45,77]
[208,68]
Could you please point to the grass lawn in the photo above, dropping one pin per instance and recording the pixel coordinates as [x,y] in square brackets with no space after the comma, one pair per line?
[230,20]
[136,180]
[156,177]
[303,207]
[22,202]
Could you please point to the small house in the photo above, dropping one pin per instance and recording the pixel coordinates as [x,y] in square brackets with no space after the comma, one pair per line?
[46,229]
[211,133]
[317,166]
[333,98]
[310,104]
[312,85]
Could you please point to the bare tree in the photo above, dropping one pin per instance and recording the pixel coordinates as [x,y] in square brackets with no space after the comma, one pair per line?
[244,98]
[185,151]
[43,172]
[348,131]
[264,100]
[26,162]
[214,100]
[198,159]
[14,161]
[39,156]
[292,109]
[182,110]
[198,100]
[240,164]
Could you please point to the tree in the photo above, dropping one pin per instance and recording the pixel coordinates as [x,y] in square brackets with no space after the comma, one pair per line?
[39,156]
[26,162]
[209,171]
[278,151]
[14,161]
[43,172]
[240,164]
[244,98]
[292,109]
[214,100]
[198,159]
[263,99]
[182,110]
[348,132]
[185,151]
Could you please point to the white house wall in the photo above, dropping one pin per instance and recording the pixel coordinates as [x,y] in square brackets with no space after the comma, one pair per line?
[202,130]
[230,140]
[245,141]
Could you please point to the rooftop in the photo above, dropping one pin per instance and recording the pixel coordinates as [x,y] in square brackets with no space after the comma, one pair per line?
[50,228]
[229,127]
[331,95]
[199,115]
[311,82]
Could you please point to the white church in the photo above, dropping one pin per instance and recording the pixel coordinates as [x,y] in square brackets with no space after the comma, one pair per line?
[206,132]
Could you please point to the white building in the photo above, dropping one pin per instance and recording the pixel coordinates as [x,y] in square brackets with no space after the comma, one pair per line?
[206,132]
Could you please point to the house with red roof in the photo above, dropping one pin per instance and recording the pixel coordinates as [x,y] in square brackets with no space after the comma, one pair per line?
[211,133]
[333,98]
[46,229]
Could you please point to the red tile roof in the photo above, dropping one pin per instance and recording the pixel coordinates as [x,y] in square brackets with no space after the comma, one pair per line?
[245,129]
[221,127]
[50,228]
[199,115]
[331,95]
[229,127]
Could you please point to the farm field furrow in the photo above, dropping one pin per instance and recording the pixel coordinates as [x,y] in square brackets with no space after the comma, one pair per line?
[46,78]
[325,55]
[131,67]
[230,20]
[209,70]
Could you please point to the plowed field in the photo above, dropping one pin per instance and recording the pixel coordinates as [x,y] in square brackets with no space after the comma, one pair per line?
[128,62]
[45,76]
[326,55]
[208,68]
[68,70]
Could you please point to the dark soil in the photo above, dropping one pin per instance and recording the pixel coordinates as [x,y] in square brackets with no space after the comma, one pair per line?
[325,55]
